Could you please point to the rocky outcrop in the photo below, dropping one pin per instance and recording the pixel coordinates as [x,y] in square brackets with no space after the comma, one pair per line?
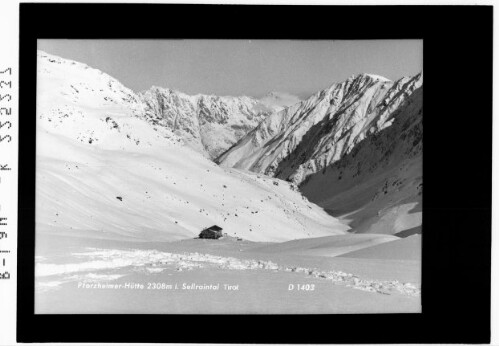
[209,124]
[309,136]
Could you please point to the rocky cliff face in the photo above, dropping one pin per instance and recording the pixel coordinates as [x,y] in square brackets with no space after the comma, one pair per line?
[378,185]
[309,136]
[207,123]
[373,109]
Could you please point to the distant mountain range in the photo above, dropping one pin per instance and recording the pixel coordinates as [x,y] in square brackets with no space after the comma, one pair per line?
[210,124]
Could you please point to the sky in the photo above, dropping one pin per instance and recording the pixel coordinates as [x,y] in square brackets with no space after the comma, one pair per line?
[241,67]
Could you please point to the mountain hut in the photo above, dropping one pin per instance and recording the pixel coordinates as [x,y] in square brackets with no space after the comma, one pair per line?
[213,232]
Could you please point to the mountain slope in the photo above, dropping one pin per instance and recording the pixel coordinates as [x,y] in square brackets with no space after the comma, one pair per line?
[354,148]
[104,171]
[372,110]
[308,136]
[378,185]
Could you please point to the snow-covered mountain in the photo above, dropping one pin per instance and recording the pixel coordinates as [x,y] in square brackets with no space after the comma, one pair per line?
[104,169]
[378,185]
[210,124]
[312,142]
[310,135]
[277,101]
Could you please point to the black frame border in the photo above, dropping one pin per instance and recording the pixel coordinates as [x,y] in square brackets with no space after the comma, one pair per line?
[457,167]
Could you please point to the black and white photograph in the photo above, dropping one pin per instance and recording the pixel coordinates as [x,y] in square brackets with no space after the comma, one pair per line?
[234,173]
[228,176]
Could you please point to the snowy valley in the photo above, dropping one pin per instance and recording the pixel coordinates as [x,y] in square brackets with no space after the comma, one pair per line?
[326,190]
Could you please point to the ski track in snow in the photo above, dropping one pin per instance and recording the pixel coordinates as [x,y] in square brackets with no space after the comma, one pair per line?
[153,261]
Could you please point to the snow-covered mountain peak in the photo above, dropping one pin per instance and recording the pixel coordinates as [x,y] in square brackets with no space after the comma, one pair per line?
[334,119]
[277,101]
[164,90]
[371,76]
[54,59]
[83,103]
[209,124]
[376,77]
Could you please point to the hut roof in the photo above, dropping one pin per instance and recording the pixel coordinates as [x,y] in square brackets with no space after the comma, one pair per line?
[213,228]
